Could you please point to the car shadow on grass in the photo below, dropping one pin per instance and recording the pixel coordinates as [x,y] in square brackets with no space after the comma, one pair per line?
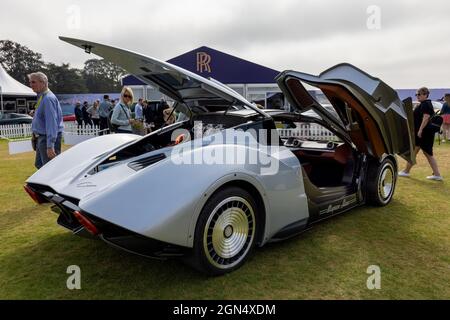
[39,271]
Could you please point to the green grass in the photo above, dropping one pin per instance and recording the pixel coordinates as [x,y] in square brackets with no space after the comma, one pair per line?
[409,240]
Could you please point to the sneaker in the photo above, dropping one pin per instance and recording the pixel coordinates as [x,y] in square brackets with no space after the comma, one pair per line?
[436,178]
[403,174]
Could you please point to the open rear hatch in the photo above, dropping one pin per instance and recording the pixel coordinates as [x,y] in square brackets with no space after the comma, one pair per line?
[177,83]
[372,114]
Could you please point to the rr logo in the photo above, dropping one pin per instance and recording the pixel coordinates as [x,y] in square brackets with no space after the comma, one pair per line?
[203,60]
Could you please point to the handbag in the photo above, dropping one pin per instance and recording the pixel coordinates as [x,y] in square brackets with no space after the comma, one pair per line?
[434,123]
[112,126]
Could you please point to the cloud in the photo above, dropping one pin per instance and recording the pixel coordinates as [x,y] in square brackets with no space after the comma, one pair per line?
[408,50]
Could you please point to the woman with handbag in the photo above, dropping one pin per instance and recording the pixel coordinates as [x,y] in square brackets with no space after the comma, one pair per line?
[424,138]
[121,116]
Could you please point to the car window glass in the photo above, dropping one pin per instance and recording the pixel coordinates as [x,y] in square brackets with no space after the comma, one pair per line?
[322,99]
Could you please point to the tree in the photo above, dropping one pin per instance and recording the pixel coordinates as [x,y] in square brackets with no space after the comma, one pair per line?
[19,61]
[102,76]
[63,79]
[97,76]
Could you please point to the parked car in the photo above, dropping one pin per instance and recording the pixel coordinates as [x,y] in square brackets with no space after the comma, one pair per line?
[14,118]
[134,193]
[70,117]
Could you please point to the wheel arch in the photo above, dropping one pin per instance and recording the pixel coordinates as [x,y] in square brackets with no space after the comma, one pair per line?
[242,181]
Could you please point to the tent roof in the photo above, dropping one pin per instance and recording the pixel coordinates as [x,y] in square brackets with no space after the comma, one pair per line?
[10,86]
[221,66]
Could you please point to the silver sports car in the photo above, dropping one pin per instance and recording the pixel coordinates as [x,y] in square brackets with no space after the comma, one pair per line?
[221,180]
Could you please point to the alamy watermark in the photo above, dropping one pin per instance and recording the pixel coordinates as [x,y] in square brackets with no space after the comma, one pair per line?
[74,280]
[374,17]
[73,13]
[374,280]
[215,146]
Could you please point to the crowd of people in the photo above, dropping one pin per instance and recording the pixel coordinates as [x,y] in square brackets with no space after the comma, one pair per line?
[111,117]
[96,115]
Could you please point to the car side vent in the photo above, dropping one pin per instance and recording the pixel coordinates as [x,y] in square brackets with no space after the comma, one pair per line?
[145,162]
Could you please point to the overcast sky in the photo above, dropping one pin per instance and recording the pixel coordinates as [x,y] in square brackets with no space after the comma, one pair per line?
[404,42]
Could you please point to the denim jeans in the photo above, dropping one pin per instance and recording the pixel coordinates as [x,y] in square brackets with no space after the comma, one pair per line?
[41,150]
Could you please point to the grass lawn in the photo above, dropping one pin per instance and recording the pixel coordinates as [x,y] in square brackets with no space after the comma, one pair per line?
[409,240]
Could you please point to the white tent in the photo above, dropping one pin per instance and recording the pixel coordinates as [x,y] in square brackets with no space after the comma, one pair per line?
[11,87]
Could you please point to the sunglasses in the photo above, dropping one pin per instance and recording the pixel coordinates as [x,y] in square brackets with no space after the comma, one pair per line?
[418,94]
[126,96]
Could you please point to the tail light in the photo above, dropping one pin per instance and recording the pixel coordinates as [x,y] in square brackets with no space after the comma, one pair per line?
[86,223]
[34,195]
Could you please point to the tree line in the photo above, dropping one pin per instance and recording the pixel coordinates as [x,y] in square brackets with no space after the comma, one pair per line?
[97,76]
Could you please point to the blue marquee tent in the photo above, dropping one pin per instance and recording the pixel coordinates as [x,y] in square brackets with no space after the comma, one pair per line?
[223,67]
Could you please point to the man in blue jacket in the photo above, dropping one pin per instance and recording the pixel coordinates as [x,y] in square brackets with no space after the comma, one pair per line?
[47,125]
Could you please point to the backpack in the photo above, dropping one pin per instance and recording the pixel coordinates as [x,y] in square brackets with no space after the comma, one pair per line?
[435,123]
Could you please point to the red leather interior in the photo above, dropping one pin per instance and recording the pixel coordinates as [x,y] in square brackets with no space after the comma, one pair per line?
[341,155]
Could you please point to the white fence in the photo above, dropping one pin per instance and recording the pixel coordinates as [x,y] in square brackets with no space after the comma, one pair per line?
[74,134]
[24,130]
[73,128]
[15,131]
[308,131]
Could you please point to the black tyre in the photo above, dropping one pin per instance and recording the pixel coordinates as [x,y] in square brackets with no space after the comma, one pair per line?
[381,181]
[225,232]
